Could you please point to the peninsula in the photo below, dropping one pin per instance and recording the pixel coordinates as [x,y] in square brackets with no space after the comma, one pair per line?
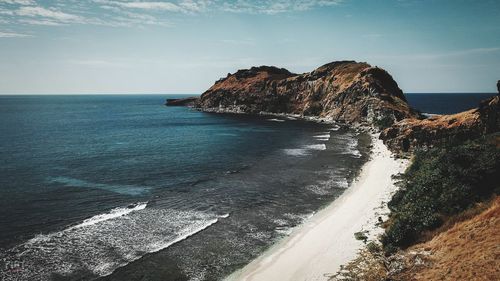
[355,95]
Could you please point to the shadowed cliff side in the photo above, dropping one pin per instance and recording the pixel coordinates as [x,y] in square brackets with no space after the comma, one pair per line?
[345,91]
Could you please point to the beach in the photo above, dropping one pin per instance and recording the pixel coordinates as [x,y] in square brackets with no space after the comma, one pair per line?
[316,249]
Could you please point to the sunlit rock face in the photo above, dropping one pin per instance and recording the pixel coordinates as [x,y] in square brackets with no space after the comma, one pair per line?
[344,91]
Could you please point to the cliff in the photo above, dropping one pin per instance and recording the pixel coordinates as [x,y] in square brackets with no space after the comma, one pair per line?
[349,92]
[344,91]
[410,133]
[181,102]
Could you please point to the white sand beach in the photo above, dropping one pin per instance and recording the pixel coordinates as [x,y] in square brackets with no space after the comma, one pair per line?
[316,249]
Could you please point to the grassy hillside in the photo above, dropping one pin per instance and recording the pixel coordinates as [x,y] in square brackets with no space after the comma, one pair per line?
[441,182]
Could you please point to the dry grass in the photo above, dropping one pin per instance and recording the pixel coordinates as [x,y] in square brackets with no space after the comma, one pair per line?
[470,250]
[466,247]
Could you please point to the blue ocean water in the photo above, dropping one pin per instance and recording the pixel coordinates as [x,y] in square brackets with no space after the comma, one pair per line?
[116,186]
[124,188]
[445,103]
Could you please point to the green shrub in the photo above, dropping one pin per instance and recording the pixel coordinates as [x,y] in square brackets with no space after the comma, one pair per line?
[361,235]
[441,182]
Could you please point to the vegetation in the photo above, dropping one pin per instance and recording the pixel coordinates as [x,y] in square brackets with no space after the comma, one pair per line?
[441,182]
[361,235]
[384,122]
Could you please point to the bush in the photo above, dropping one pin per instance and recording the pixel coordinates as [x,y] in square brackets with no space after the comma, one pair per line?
[441,182]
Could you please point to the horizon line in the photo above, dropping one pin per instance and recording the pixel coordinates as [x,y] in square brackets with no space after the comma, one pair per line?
[193,94]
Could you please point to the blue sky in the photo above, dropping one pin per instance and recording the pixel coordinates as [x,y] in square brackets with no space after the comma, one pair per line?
[183,46]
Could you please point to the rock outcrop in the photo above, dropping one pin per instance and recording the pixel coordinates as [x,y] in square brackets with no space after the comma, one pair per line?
[345,91]
[408,134]
[181,102]
[348,92]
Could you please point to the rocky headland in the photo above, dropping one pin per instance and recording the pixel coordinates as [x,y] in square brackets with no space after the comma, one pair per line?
[344,91]
[411,133]
[348,92]
[181,102]
[451,180]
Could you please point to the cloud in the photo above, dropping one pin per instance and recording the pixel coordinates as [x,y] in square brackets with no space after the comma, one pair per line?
[184,6]
[275,7]
[13,35]
[126,13]
[18,2]
[163,6]
[37,11]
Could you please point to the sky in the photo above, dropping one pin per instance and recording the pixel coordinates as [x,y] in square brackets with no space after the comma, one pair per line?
[184,46]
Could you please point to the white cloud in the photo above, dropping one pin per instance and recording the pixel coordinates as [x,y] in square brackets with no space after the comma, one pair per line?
[18,2]
[37,11]
[163,6]
[13,35]
[119,13]
[40,22]
[275,7]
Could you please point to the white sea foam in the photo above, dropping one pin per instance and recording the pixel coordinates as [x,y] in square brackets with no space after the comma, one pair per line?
[185,233]
[104,242]
[427,115]
[115,213]
[323,137]
[304,150]
[320,146]
[353,147]
[276,120]
[296,151]
[335,128]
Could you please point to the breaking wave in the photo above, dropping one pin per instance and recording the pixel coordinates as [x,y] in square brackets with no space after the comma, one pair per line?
[102,243]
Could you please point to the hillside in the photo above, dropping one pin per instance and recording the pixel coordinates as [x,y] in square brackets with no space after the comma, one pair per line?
[344,91]
[411,133]
[467,251]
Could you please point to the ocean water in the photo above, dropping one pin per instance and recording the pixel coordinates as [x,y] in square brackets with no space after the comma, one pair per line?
[445,103]
[124,188]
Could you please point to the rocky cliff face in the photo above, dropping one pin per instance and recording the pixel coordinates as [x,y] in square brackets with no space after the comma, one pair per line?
[410,133]
[344,91]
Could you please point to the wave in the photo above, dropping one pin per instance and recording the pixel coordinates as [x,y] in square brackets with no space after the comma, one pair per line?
[320,146]
[323,137]
[117,212]
[427,115]
[186,234]
[349,145]
[352,146]
[335,128]
[276,120]
[103,243]
[296,151]
[304,150]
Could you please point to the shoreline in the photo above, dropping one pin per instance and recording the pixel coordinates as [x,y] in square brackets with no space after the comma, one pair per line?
[316,249]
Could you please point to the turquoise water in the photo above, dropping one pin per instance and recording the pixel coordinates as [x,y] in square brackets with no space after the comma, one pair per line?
[122,186]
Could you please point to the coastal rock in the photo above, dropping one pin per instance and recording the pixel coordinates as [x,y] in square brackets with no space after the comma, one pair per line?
[410,133]
[181,102]
[344,91]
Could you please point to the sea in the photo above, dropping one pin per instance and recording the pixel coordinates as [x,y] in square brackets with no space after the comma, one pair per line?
[121,187]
